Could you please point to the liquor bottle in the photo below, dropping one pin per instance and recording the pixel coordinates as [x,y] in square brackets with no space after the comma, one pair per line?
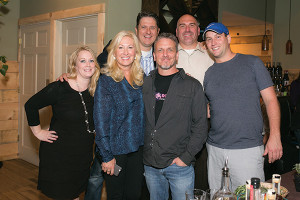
[255,193]
[286,80]
[279,69]
[224,192]
[269,69]
[275,80]
[273,69]
[283,91]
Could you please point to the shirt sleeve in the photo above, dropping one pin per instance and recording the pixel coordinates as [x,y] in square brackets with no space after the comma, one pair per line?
[103,109]
[102,58]
[263,78]
[47,96]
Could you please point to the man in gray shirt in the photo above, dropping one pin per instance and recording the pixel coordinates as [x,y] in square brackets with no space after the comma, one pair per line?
[233,86]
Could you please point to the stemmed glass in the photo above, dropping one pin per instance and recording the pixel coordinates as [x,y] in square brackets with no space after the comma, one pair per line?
[210,193]
[196,194]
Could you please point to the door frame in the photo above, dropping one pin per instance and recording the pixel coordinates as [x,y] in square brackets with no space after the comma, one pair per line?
[37,79]
[55,19]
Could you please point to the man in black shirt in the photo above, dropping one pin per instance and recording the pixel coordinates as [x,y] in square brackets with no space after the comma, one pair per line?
[176,123]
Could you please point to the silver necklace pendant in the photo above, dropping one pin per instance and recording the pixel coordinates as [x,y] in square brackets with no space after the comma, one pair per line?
[85,110]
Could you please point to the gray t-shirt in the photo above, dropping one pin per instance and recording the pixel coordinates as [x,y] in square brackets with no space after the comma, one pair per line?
[233,90]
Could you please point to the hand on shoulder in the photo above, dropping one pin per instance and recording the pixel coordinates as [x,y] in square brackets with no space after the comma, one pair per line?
[63,77]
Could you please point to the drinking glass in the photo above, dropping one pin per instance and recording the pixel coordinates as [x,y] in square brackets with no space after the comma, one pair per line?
[210,193]
[196,194]
[276,179]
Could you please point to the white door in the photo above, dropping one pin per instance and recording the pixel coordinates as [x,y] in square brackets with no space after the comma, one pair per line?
[34,75]
[75,32]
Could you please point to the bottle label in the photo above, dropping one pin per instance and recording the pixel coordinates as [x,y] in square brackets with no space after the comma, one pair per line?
[251,192]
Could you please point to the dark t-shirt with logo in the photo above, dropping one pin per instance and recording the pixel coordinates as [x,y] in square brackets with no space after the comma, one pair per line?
[162,84]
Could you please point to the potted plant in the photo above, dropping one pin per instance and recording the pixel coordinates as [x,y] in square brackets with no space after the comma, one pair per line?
[3,65]
[297,176]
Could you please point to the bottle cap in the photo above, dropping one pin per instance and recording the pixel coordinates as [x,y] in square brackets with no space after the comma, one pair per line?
[225,168]
[255,182]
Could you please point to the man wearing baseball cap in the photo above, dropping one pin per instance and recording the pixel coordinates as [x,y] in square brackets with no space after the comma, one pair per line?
[233,86]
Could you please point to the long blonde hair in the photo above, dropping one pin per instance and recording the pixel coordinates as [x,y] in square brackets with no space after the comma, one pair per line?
[72,67]
[112,69]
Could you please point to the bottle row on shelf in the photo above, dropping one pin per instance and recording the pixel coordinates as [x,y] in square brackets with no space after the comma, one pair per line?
[281,81]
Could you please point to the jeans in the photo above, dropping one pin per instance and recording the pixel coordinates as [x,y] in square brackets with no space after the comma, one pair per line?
[94,187]
[179,179]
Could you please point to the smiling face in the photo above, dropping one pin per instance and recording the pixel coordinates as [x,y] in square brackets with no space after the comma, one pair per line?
[187,32]
[165,54]
[218,45]
[85,65]
[125,53]
[147,32]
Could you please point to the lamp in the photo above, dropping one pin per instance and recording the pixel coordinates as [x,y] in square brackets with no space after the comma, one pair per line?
[265,41]
[4,2]
[289,44]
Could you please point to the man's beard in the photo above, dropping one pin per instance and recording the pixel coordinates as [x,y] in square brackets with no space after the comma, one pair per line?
[164,67]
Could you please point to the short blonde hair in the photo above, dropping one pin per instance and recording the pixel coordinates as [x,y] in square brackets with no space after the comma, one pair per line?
[112,69]
[72,67]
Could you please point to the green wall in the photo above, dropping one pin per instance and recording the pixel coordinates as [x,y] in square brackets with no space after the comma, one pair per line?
[9,30]
[120,14]
[277,14]
[250,8]
[281,28]
[36,7]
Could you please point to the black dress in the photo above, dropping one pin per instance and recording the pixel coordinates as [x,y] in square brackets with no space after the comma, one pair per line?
[65,163]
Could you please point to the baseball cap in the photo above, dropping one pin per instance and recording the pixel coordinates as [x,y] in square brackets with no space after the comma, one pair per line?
[215,27]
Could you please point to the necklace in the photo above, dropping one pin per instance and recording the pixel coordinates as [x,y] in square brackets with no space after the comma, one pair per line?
[85,111]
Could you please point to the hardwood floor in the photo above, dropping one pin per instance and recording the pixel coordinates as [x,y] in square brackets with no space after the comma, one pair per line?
[18,181]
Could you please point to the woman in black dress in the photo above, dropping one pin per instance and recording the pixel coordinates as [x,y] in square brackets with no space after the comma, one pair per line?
[66,149]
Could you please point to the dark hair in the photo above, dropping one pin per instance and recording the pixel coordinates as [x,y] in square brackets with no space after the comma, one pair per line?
[168,36]
[146,14]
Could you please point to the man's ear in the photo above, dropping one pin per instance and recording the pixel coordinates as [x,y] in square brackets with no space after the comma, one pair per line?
[136,31]
[228,39]
[154,56]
